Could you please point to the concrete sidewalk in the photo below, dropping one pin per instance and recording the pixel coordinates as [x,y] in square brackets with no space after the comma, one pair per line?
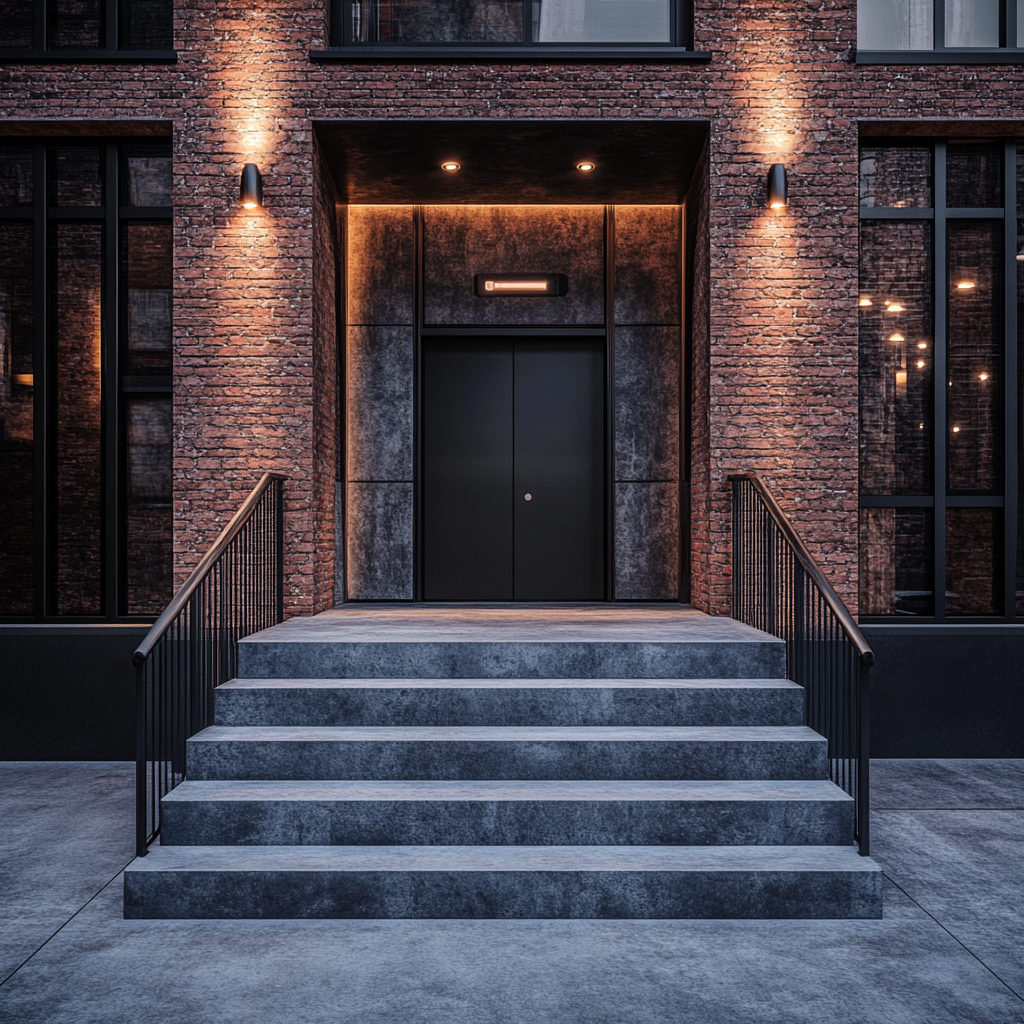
[949,834]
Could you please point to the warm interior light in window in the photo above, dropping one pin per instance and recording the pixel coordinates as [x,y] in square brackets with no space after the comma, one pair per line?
[922,344]
[586,165]
[26,380]
[920,364]
[920,426]
[965,286]
[982,376]
[516,286]
[956,430]
[897,337]
[865,301]
[893,307]
[450,165]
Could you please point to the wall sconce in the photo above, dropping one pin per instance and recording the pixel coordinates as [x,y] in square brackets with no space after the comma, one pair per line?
[251,187]
[777,195]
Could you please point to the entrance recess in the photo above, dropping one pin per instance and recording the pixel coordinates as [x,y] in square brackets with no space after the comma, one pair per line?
[513,469]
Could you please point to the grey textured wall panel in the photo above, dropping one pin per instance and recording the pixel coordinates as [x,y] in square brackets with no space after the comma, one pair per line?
[380,265]
[379,374]
[380,521]
[648,265]
[461,241]
[647,403]
[646,541]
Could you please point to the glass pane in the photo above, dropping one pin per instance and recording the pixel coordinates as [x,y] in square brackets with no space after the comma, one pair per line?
[76,176]
[972,22]
[896,561]
[76,511]
[602,21]
[896,357]
[896,176]
[16,181]
[895,24]
[149,522]
[974,556]
[974,175]
[146,259]
[1020,32]
[437,21]
[17,392]
[975,383]
[75,23]
[148,176]
[146,25]
[16,18]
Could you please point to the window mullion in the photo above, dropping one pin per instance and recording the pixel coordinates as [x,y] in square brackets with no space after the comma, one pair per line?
[1011,484]
[939,30]
[40,382]
[940,256]
[110,392]
[111,29]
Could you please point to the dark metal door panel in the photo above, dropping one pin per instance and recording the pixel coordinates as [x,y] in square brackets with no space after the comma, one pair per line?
[559,462]
[467,464]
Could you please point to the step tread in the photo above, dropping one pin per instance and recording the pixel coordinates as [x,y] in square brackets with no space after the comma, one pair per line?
[508,684]
[512,790]
[507,734]
[503,858]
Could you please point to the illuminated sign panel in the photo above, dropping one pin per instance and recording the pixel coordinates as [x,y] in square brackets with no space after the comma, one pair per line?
[489,286]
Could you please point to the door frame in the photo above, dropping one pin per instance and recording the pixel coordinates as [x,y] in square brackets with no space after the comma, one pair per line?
[605,331]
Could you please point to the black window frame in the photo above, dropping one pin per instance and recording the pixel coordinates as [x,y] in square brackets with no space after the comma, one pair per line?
[111,51]
[1006,53]
[116,387]
[342,47]
[941,499]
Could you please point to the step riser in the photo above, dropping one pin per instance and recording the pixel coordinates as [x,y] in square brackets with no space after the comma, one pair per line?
[753,659]
[506,822]
[423,706]
[503,894]
[480,759]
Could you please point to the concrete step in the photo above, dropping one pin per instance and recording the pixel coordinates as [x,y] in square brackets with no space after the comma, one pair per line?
[494,702]
[476,752]
[598,643]
[513,813]
[502,882]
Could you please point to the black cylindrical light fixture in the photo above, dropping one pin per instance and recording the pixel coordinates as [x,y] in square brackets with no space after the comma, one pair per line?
[777,197]
[251,189]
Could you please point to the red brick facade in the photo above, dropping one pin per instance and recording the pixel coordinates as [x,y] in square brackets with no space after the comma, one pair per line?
[774,382]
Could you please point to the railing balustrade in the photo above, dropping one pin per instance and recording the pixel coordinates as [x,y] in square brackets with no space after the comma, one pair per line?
[237,589]
[778,587]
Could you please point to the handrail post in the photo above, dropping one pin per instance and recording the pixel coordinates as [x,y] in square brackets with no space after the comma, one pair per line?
[864,758]
[279,502]
[141,764]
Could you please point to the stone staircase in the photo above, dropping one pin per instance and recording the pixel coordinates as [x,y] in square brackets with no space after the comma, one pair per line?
[498,763]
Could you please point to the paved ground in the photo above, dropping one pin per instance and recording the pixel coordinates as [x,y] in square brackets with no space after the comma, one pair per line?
[950,835]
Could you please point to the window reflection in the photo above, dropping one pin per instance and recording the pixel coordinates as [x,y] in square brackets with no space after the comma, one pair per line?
[895,24]
[437,21]
[898,176]
[974,175]
[602,21]
[972,22]
[896,561]
[974,547]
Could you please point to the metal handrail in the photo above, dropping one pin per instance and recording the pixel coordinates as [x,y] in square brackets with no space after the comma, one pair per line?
[806,559]
[779,588]
[236,589]
[188,588]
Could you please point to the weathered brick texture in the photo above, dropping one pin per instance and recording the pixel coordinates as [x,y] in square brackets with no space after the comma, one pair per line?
[774,378]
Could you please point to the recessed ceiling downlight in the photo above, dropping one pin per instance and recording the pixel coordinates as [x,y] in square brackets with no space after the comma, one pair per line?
[451,166]
[586,166]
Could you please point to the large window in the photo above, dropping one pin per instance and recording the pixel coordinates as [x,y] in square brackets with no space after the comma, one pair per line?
[895,31]
[941,384]
[530,27]
[85,380]
[55,29]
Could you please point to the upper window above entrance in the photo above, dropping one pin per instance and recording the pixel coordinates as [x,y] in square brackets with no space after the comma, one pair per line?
[533,29]
[55,30]
[940,31]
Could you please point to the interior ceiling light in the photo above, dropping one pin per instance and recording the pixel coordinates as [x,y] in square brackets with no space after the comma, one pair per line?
[956,430]
[982,376]
[920,364]
[451,166]
[778,192]
[922,344]
[586,165]
[250,189]
[1020,255]
[864,302]
[893,307]
[897,337]
[965,285]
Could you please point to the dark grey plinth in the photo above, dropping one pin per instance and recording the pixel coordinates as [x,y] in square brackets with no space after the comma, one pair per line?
[243,702]
[502,882]
[379,549]
[475,752]
[506,813]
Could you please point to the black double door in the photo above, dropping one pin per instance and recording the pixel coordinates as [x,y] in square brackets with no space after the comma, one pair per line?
[513,469]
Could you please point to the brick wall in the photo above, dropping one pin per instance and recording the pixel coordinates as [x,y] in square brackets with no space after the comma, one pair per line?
[782,332]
